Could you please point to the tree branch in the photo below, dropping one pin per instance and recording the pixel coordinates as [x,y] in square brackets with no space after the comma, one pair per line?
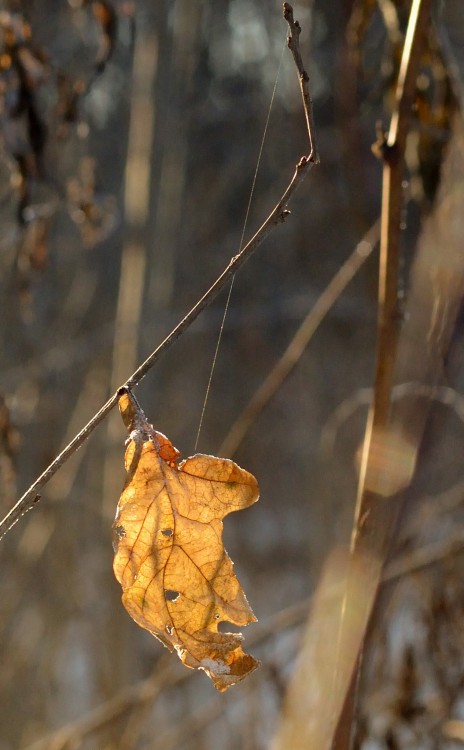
[371,533]
[166,676]
[293,42]
[323,718]
[392,148]
[275,218]
[376,517]
[299,342]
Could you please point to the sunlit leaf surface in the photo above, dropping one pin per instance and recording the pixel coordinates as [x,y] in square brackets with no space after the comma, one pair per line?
[178,581]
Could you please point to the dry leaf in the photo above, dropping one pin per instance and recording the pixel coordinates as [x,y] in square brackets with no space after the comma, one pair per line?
[178,581]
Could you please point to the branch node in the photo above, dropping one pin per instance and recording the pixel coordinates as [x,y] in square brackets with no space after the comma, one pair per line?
[381,148]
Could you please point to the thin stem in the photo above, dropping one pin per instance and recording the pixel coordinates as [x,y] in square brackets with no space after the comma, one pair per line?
[134,252]
[393,150]
[166,676]
[290,358]
[394,154]
[375,519]
[293,42]
[27,500]
[275,218]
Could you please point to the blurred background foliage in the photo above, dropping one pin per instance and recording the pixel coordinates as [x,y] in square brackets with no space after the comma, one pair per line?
[130,134]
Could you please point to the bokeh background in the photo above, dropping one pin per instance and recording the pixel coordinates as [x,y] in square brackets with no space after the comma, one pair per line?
[130,136]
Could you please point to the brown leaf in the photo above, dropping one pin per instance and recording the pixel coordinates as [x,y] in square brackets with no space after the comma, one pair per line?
[178,581]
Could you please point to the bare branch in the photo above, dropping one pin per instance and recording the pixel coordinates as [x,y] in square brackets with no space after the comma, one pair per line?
[24,503]
[105,713]
[166,675]
[275,218]
[375,520]
[393,150]
[331,710]
[299,342]
[293,42]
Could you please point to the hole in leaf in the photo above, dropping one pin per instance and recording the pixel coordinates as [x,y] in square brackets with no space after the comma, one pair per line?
[228,627]
[167,532]
[171,596]
[169,629]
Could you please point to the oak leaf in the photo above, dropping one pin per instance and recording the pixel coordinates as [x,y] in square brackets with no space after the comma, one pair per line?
[178,581]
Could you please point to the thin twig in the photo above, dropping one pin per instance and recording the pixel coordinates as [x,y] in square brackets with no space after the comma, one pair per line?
[363,396]
[299,342]
[133,257]
[293,42]
[393,149]
[192,723]
[375,519]
[275,218]
[35,535]
[330,702]
[107,712]
[407,564]
[424,557]
[24,503]
[167,676]
[374,535]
